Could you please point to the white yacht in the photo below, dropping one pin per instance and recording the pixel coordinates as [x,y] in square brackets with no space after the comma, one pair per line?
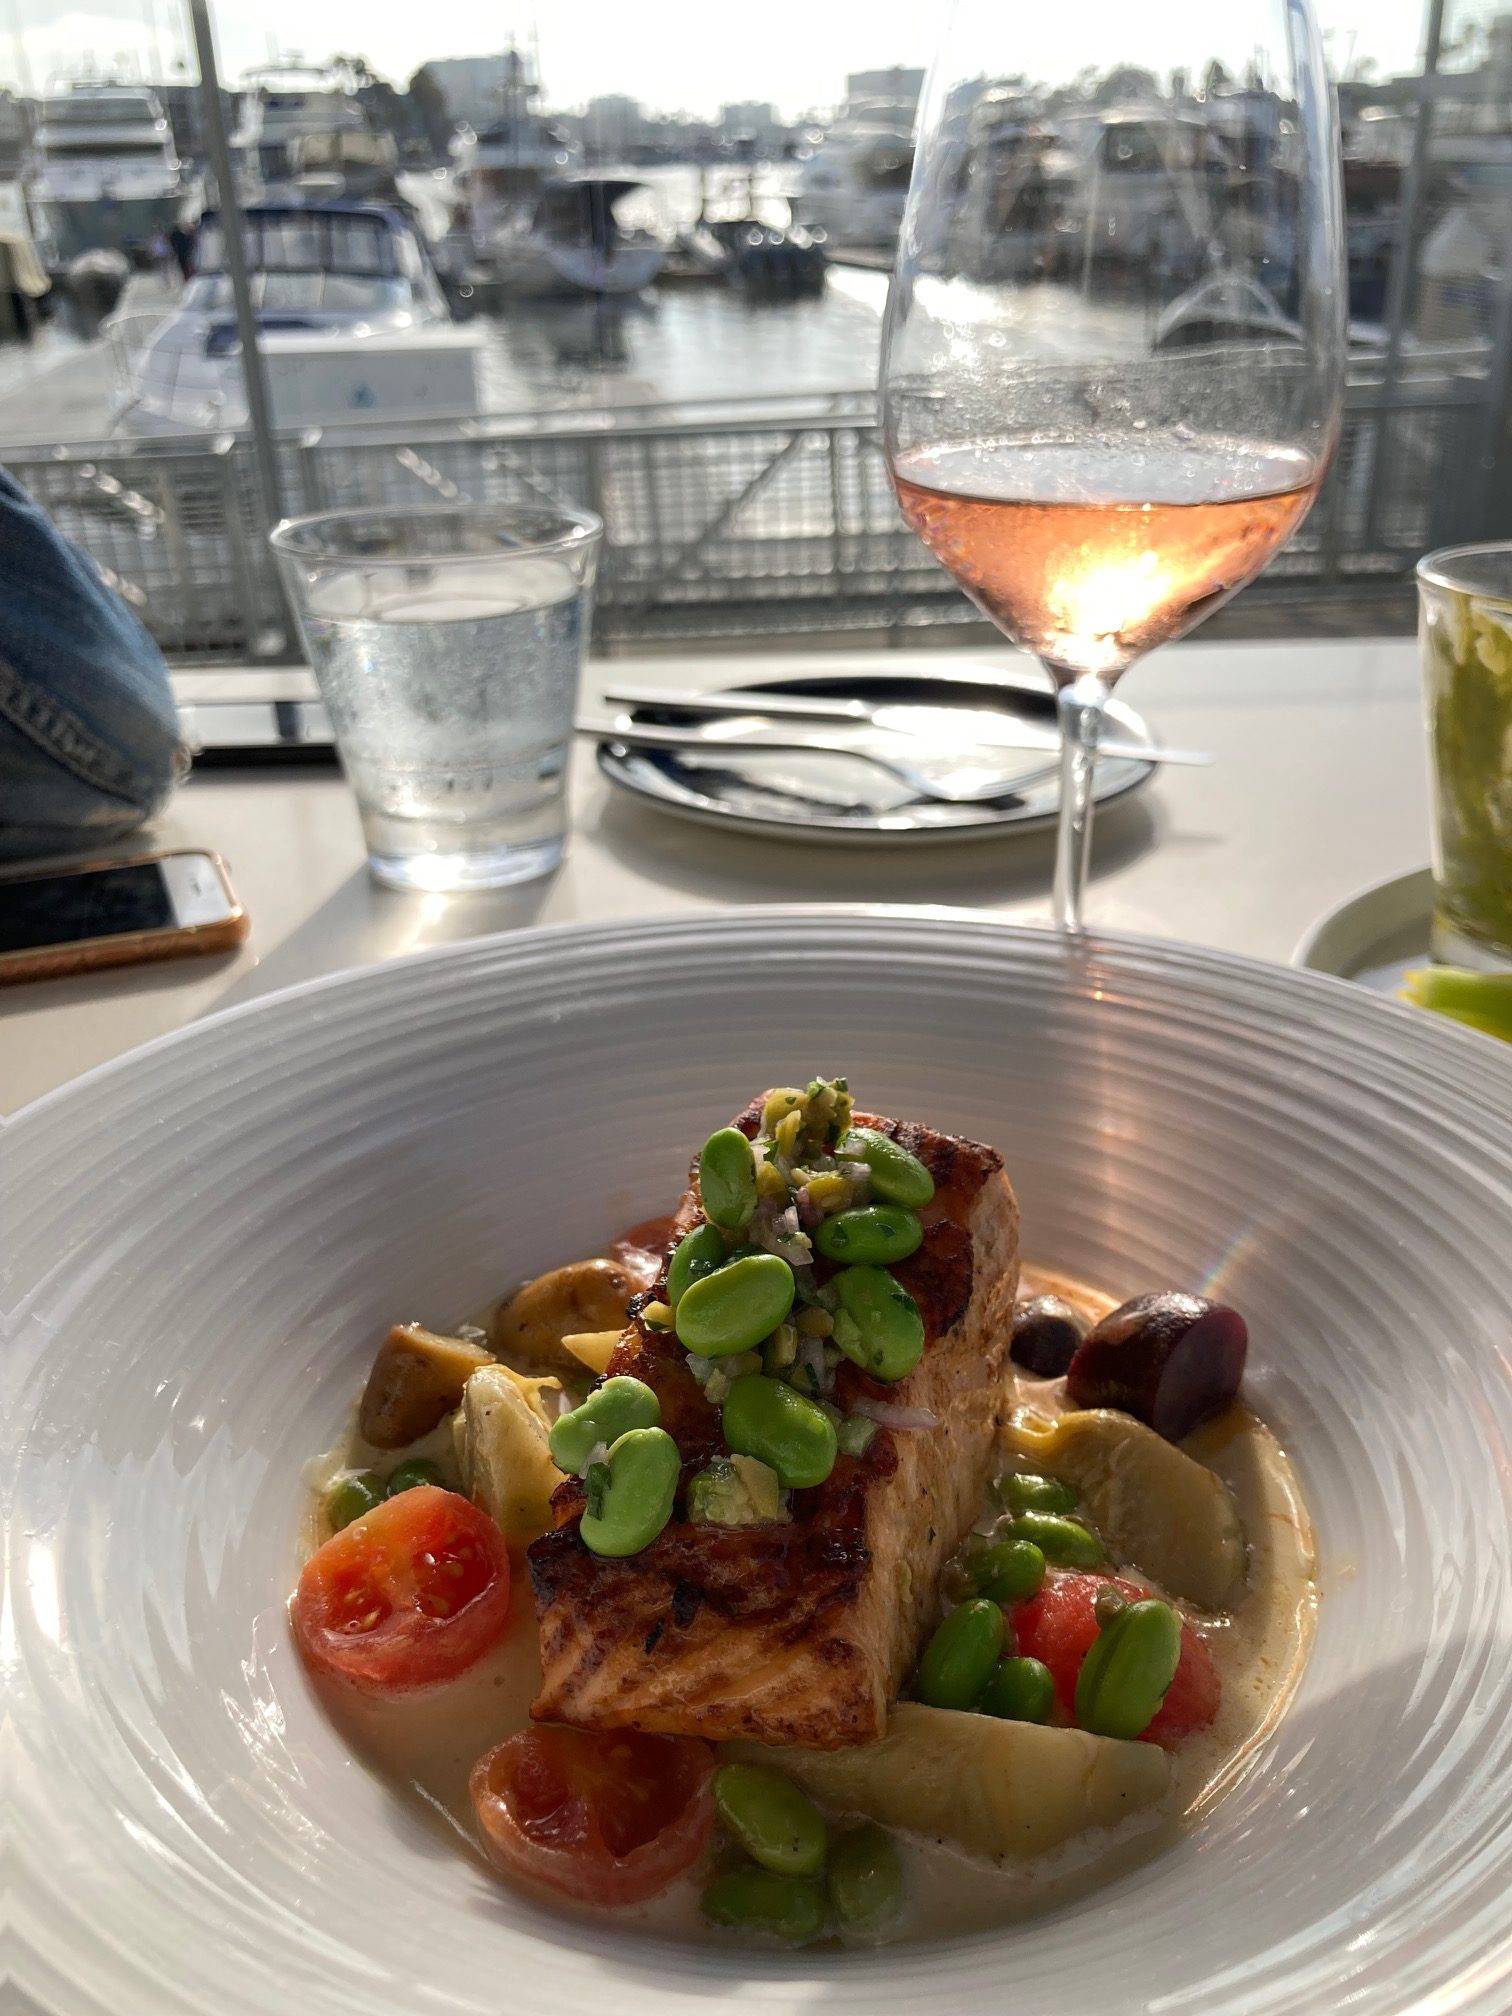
[1130,183]
[283,105]
[533,224]
[14,219]
[500,172]
[105,173]
[568,241]
[352,325]
[854,183]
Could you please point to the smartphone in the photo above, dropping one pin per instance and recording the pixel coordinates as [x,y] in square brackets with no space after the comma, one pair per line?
[115,913]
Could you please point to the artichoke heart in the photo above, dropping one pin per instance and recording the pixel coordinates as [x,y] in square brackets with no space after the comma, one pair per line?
[1015,1789]
[1154,1506]
[501,1436]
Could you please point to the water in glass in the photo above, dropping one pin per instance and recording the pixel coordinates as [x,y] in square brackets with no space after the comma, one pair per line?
[452,706]
[448,643]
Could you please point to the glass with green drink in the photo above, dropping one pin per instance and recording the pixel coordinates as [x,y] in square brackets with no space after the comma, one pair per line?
[1465,631]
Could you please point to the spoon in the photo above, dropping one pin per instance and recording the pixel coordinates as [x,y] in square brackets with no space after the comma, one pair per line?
[966,784]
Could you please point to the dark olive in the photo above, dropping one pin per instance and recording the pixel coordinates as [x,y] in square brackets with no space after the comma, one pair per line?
[1171,1361]
[1046,1332]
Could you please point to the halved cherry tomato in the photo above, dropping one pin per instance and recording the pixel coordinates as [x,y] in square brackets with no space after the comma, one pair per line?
[1058,1625]
[407,1596]
[610,1819]
[641,1250]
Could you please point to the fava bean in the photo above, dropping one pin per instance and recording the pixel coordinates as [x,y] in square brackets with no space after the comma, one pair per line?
[611,1410]
[407,1476]
[865,1880]
[1021,1690]
[896,1176]
[877,1324]
[727,1179]
[771,1420]
[874,1234]
[790,1908]
[352,1497]
[1009,1571]
[960,1658]
[1023,1491]
[733,1309]
[630,1493]
[1131,1664]
[1065,1541]
[776,1823]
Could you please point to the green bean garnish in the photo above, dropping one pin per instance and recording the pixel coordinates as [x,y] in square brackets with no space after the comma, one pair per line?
[776,1822]
[1126,1674]
[960,1658]
[1021,1690]
[418,1470]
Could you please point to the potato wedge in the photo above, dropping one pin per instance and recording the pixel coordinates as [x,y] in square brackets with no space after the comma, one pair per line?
[501,1437]
[588,1295]
[416,1381]
[1155,1507]
[995,1788]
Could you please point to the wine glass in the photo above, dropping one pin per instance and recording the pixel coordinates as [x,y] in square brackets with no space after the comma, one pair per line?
[1113,360]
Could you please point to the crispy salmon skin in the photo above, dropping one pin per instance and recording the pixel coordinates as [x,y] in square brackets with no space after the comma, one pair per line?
[801,1630]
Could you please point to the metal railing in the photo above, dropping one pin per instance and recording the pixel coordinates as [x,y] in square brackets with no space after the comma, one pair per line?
[755,520]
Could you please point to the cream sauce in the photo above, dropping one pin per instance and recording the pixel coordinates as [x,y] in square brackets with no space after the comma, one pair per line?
[425,1746]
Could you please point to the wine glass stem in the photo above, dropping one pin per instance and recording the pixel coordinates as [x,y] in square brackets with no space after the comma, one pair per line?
[1080,707]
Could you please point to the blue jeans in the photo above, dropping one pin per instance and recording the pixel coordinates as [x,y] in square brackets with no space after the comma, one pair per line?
[89,737]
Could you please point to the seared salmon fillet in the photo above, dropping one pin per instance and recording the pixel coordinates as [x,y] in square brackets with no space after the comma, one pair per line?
[802,1630]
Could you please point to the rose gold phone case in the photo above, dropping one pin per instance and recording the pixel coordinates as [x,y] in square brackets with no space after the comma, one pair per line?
[129,948]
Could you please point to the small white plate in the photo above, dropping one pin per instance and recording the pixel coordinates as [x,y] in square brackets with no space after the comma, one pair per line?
[845,802]
[202,1241]
[1375,936]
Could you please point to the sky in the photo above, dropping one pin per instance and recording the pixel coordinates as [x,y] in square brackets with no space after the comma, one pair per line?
[673,55]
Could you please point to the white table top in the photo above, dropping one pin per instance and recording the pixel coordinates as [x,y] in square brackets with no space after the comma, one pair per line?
[1319,789]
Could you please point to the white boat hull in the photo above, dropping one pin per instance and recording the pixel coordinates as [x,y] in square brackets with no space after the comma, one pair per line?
[525,268]
[624,270]
[100,223]
[430,371]
[850,216]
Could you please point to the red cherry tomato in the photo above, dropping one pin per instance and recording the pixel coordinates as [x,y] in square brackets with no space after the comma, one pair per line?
[642,1249]
[407,1596]
[1058,1625]
[609,1819]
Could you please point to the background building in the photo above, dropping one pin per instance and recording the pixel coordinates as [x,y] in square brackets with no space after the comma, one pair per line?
[614,127]
[473,85]
[900,85]
[752,120]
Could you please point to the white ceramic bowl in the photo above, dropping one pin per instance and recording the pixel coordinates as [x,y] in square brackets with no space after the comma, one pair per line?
[203,1240]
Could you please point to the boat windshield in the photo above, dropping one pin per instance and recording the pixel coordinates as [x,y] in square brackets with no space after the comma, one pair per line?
[302,293]
[319,243]
[148,144]
[127,110]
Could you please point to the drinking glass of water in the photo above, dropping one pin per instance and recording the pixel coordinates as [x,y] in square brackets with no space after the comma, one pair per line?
[448,640]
